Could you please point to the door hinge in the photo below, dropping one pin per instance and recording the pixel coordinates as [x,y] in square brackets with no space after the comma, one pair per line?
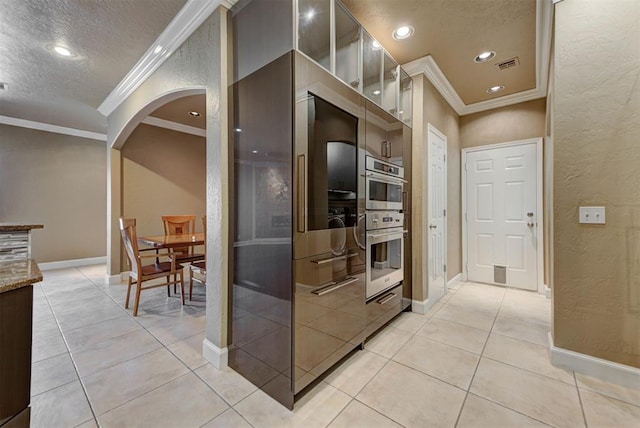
[465,216]
[444,212]
[445,268]
[465,166]
[444,158]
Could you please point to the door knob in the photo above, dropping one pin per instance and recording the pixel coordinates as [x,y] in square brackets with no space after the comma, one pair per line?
[433,226]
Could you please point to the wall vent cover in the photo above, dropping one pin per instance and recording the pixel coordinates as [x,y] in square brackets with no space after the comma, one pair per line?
[509,63]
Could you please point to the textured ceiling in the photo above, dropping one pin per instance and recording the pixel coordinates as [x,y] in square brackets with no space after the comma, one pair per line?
[453,32]
[110,36]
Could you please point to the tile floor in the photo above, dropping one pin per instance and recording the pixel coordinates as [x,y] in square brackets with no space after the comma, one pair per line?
[478,359]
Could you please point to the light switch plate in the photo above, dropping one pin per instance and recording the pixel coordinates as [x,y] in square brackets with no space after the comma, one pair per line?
[592,215]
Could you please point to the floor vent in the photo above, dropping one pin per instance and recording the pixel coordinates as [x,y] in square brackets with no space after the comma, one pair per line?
[508,63]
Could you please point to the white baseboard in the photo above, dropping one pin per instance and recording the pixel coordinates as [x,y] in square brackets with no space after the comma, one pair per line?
[72,263]
[453,281]
[116,279]
[592,366]
[219,357]
[419,307]
[547,292]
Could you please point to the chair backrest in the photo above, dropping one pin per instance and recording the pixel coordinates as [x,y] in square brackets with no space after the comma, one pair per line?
[178,225]
[130,240]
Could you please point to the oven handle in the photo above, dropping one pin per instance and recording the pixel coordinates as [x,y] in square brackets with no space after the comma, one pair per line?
[385,178]
[302,209]
[395,232]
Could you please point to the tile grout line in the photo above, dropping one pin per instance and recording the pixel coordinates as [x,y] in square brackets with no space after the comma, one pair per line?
[584,415]
[479,360]
[75,368]
[80,379]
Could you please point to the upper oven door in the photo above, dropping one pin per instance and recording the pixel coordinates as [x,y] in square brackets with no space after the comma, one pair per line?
[383,192]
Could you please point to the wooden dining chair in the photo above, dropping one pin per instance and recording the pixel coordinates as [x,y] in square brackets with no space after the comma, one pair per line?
[141,273]
[199,269]
[178,225]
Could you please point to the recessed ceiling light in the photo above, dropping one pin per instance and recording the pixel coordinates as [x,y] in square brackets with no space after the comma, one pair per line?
[254,151]
[484,56]
[63,51]
[403,32]
[157,49]
[237,130]
[376,92]
[375,45]
[194,114]
[494,89]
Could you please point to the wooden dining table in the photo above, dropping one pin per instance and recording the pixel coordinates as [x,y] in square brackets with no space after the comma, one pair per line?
[172,241]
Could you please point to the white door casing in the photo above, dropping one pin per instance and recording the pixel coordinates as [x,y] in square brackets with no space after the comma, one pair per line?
[502,213]
[436,225]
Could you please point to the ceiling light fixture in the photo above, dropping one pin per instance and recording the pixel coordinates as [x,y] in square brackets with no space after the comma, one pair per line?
[157,49]
[238,130]
[254,151]
[63,51]
[484,56]
[194,114]
[494,89]
[403,32]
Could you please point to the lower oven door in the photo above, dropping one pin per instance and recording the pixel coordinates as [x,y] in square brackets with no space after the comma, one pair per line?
[385,260]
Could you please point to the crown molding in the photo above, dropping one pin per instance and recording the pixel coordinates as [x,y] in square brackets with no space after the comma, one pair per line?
[41,126]
[175,126]
[544,24]
[190,17]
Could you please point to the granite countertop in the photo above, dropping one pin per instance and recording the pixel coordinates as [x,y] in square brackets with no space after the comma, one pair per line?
[14,227]
[18,274]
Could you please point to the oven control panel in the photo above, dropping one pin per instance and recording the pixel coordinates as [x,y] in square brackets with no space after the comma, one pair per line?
[384,219]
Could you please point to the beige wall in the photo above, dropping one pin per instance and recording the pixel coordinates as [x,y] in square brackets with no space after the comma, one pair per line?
[431,108]
[501,125]
[163,173]
[59,181]
[596,130]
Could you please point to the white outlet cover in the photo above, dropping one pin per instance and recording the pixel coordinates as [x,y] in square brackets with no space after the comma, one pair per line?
[592,215]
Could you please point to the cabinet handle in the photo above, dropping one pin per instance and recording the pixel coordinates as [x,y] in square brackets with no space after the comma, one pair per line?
[334,286]
[332,259]
[302,208]
[386,298]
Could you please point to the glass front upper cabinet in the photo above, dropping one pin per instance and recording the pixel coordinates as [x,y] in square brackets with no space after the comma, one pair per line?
[390,85]
[406,98]
[347,47]
[314,30]
[371,68]
[353,55]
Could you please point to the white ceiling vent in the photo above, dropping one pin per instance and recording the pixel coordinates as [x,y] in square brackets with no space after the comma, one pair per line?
[512,62]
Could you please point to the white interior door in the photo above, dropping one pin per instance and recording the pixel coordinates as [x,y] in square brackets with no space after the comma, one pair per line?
[501,204]
[437,217]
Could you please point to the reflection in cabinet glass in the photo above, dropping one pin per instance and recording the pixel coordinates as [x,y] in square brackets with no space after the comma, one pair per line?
[314,28]
[390,85]
[406,99]
[347,47]
[371,68]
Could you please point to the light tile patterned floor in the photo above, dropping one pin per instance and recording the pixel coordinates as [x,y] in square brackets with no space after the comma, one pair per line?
[477,359]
